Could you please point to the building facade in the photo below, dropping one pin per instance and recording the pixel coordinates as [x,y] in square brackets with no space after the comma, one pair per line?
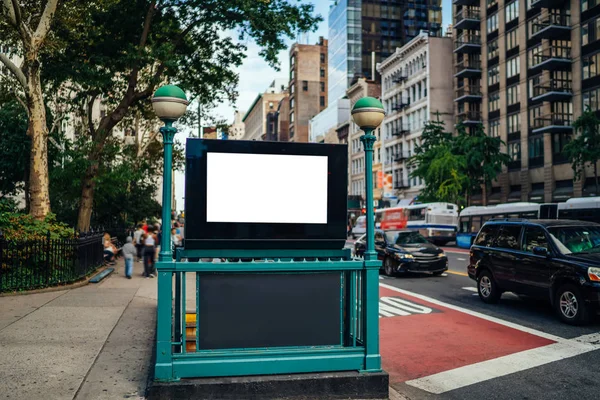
[308,86]
[237,128]
[257,118]
[356,155]
[416,88]
[362,33]
[526,70]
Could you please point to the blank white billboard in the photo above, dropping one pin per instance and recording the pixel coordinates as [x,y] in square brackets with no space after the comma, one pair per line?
[266,188]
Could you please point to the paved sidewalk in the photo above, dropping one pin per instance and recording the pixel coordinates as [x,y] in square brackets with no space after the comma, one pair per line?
[93,342]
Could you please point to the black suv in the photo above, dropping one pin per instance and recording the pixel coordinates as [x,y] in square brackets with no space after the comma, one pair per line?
[558,260]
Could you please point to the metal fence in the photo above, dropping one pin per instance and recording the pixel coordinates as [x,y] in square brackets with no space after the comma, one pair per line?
[34,264]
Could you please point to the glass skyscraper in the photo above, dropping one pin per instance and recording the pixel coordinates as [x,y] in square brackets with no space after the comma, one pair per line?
[359,29]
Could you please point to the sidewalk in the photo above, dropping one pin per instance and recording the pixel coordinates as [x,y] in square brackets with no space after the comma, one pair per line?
[93,342]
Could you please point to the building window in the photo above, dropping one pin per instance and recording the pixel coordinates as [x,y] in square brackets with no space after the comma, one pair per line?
[322,58]
[513,123]
[494,130]
[292,75]
[305,85]
[590,66]
[292,89]
[322,101]
[493,75]
[494,101]
[512,10]
[292,117]
[533,85]
[513,94]
[590,31]
[492,48]
[512,39]
[492,23]
[512,67]
[292,60]
[533,55]
[291,103]
[591,99]
[322,72]
[514,151]
[559,141]
[536,150]
[535,113]
[322,86]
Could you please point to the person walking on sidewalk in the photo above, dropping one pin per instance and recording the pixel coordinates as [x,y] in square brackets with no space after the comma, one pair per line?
[137,241]
[149,249]
[129,252]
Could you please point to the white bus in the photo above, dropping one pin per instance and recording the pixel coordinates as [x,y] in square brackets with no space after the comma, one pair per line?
[581,208]
[436,221]
[472,218]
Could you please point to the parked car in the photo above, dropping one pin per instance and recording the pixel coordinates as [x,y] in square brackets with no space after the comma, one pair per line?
[556,260]
[360,227]
[405,251]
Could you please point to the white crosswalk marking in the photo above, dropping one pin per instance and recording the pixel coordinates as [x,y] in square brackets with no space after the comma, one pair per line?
[471,289]
[394,307]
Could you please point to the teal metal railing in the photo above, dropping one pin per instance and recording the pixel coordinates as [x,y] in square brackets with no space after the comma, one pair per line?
[179,349]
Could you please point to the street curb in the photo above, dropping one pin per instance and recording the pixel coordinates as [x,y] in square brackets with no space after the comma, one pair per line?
[394,395]
[69,286]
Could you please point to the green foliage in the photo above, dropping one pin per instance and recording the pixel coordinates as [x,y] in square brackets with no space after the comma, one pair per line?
[585,147]
[453,166]
[125,183]
[14,148]
[21,227]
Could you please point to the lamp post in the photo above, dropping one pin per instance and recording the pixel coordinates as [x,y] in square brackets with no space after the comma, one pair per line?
[368,113]
[169,103]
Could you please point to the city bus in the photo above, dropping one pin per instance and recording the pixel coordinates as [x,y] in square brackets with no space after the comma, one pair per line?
[472,218]
[435,221]
[438,222]
[581,208]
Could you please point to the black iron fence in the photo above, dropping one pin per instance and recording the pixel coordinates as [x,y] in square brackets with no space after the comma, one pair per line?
[34,264]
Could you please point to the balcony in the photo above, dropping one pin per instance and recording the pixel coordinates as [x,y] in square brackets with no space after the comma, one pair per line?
[552,59]
[401,105]
[557,26]
[468,18]
[467,69]
[465,2]
[553,123]
[547,3]
[553,91]
[469,118]
[401,130]
[514,165]
[399,79]
[401,185]
[400,157]
[467,44]
[471,93]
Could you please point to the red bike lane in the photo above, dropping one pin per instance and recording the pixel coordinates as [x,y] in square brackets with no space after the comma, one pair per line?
[419,338]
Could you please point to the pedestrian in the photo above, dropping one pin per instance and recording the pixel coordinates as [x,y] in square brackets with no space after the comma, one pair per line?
[149,249]
[129,252]
[109,250]
[137,241]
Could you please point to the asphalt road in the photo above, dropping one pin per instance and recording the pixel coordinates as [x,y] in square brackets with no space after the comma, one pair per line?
[571,378]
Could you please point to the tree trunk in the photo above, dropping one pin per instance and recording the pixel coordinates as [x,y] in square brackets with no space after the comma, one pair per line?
[88,184]
[39,192]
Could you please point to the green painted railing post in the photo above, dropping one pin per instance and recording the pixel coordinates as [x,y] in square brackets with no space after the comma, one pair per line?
[371,282]
[168,132]
[163,370]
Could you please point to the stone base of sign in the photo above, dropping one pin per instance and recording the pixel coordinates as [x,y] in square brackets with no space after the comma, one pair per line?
[330,385]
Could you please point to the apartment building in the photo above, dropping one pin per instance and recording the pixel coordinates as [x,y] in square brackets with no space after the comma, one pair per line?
[526,69]
[265,104]
[416,87]
[307,87]
[237,128]
[356,155]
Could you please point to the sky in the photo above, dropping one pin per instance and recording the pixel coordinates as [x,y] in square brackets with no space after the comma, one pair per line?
[255,75]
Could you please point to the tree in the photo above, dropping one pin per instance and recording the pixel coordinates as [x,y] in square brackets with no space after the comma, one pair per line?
[585,148]
[483,158]
[124,49]
[436,162]
[27,23]
[15,146]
